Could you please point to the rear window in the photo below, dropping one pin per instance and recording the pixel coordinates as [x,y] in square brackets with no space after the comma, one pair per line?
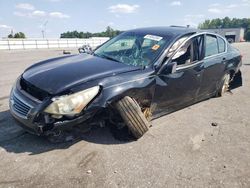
[222,45]
[211,45]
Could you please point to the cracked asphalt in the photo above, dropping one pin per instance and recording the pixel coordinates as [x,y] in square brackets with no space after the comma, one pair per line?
[182,149]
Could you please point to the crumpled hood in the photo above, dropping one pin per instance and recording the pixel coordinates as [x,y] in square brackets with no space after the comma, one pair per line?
[58,74]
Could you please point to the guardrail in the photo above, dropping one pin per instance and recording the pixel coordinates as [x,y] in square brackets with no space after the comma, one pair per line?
[22,44]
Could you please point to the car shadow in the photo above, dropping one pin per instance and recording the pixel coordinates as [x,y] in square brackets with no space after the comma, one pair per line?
[14,139]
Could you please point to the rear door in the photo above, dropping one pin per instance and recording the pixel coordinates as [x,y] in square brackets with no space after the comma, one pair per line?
[214,65]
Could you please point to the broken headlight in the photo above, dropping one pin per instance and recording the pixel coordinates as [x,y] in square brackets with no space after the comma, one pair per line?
[72,104]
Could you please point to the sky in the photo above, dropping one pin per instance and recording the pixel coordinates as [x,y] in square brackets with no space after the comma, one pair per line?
[58,16]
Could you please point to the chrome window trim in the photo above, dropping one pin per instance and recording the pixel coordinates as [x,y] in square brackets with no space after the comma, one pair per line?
[218,46]
[166,51]
[188,66]
[215,55]
[225,43]
[205,58]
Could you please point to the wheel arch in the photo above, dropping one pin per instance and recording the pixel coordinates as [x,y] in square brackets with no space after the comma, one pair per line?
[143,95]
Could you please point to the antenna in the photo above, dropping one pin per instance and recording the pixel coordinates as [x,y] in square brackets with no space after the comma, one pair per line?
[44,28]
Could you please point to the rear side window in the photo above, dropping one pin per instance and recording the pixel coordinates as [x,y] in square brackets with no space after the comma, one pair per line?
[222,45]
[211,45]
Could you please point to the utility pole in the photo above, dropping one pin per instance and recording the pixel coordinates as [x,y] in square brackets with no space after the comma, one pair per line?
[44,28]
[43,33]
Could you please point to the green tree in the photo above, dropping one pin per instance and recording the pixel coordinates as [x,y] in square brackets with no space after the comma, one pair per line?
[10,36]
[19,35]
[226,23]
[109,32]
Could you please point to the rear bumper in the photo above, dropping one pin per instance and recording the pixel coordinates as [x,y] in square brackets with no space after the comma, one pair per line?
[28,113]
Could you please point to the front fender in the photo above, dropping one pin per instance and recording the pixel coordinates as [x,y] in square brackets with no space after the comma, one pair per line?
[141,88]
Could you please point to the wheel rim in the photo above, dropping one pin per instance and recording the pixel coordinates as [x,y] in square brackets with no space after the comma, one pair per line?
[225,86]
[147,113]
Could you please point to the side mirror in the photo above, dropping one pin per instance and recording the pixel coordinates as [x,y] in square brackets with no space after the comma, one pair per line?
[169,68]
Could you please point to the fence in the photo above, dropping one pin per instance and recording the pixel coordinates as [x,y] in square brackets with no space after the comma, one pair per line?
[22,44]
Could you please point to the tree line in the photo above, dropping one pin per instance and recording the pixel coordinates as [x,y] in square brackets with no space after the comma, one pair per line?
[18,35]
[228,23]
[75,34]
[207,24]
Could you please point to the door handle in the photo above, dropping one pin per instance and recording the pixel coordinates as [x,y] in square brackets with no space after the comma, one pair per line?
[198,74]
[198,70]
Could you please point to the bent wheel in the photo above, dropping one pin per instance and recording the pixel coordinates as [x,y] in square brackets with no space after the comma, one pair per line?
[133,117]
[225,86]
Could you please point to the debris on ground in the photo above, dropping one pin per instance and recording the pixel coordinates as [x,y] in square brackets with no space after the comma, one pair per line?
[197,140]
[61,137]
[66,52]
[214,124]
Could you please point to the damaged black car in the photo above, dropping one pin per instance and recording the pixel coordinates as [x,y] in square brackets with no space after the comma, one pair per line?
[131,79]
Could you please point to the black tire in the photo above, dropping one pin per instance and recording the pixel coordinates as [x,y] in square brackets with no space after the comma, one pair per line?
[230,40]
[133,117]
[224,86]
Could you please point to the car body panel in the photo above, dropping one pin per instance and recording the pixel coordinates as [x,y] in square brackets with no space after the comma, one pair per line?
[213,71]
[175,90]
[61,74]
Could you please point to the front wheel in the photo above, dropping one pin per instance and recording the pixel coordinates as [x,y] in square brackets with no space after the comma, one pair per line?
[133,117]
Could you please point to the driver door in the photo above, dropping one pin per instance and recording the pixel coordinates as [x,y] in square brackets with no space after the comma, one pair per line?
[179,89]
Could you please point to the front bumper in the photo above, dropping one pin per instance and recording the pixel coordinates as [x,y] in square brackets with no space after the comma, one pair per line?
[28,113]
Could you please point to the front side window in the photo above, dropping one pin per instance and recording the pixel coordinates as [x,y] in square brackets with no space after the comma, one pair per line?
[133,48]
[222,45]
[211,45]
[176,45]
[190,52]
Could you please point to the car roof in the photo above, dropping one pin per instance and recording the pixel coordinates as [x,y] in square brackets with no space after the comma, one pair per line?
[171,31]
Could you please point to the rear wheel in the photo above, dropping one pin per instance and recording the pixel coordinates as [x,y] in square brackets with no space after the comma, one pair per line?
[133,117]
[224,86]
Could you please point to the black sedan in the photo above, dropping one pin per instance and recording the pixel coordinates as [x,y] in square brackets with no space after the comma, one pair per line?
[137,76]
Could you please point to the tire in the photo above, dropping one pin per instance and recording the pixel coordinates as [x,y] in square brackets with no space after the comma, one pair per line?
[133,117]
[230,40]
[224,85]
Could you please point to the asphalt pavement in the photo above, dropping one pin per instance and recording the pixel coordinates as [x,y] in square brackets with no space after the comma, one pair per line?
[182,149]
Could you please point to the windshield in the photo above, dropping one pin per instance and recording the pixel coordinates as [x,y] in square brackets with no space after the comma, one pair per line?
[132,49]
